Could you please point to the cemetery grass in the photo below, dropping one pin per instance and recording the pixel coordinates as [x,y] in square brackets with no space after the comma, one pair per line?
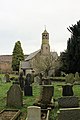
[28,101]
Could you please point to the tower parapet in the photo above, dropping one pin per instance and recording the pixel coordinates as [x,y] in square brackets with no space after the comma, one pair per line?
[45,47]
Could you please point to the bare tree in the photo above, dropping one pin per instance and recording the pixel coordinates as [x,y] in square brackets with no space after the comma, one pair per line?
[44,64]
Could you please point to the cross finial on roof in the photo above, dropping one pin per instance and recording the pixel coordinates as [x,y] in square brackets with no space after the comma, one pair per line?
[45,27]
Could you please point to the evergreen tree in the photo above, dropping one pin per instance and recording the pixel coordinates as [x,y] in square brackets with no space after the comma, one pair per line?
[72,54]
[17,56]
[63,64]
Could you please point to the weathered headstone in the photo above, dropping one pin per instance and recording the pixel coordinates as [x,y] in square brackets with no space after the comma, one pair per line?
[77,78]
[47,93]
[21,80]
[67,90]
[69,114]
[37,79]
[6,78]
[14,96]
[33,113]
[46,81]
[68,102]
[69,78]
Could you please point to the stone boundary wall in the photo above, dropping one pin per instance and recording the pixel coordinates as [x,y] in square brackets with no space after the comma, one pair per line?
[5,63]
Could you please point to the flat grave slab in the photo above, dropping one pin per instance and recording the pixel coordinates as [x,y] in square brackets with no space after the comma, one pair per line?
[9,114]
[69,114]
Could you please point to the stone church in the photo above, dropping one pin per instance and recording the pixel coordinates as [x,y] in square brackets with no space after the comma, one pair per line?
[27,66]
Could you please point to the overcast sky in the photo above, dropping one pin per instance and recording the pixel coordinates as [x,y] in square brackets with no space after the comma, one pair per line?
[24,20]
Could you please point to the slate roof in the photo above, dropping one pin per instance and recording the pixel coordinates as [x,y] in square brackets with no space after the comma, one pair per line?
[32,55]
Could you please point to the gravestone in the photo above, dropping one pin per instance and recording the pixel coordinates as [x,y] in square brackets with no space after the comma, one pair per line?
[46,99]
[37,79]
[69,78]
[33,113]
[14,96]
[46,81]
[68,102]
[69,114]
[47,93]
[67,90]
[28,90]
[6,78]
[77,78]
[21,80]
[28,87]
[28,79]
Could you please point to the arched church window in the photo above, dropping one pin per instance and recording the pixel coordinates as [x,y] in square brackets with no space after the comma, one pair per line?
[43,36]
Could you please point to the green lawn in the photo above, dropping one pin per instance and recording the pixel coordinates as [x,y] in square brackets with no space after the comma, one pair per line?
[28,101]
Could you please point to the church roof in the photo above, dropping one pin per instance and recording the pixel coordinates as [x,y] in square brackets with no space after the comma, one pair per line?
[55,55]
[45,31]
[32,55]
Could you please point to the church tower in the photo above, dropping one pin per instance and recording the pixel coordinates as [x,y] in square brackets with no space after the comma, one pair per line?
[45,47]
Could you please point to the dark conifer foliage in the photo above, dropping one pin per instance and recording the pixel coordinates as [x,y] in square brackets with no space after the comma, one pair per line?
[17,56]
[71,57]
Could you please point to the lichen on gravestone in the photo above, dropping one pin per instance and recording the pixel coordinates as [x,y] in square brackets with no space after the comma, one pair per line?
[69,78]
[77,78]
[15,96]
